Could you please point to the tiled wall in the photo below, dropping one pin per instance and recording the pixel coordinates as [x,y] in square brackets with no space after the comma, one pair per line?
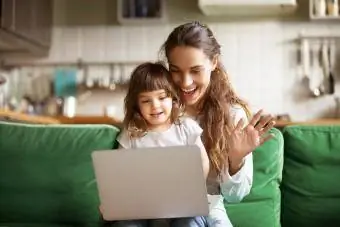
[261,58]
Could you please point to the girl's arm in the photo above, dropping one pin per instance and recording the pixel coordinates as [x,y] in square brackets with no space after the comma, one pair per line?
[204,156]
[193,134]
[124,141]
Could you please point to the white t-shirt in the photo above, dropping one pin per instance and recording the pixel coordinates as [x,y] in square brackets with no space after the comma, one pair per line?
[185,133]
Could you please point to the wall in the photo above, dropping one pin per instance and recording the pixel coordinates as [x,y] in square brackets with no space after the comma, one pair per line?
[261,55]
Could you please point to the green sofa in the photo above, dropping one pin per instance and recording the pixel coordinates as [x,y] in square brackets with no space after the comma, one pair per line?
[47,179]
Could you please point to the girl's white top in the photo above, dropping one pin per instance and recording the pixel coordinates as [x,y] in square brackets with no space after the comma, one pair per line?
[185,133]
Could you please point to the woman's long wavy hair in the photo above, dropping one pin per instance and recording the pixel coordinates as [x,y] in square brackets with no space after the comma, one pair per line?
[145,78]
[214,107]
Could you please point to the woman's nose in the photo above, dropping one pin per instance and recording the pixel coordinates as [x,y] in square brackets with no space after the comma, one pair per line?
[187,81]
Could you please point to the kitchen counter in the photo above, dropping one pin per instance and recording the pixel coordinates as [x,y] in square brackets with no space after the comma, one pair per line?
[5,114]
[15,116]
[281,124]
[89,120]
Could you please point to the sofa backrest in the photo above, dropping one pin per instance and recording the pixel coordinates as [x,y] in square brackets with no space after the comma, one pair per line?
[261,208]
[46,173]
[311,176]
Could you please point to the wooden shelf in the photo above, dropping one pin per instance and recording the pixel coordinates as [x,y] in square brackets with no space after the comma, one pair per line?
[315,17]
[326,18]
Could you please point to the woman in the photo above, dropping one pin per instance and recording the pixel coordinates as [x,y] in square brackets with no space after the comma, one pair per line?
[193,55]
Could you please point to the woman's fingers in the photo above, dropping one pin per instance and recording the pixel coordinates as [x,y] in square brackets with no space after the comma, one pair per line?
[266,129]
[263,122]
[255,118]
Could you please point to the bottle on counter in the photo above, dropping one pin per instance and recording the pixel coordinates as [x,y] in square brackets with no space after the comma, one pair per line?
[332,7]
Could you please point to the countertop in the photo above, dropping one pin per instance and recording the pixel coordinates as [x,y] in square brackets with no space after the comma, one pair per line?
[85,119]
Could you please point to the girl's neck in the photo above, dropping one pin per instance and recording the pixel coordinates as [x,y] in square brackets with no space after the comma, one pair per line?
[160,128]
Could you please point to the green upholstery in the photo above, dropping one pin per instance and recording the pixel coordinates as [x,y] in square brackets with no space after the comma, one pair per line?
[47,178]
[261,208]
[46,173]
[311,176]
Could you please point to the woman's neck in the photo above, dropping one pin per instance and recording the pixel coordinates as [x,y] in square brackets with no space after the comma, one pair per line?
[191,111]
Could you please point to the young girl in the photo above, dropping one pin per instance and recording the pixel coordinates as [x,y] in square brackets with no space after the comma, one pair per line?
[153,119]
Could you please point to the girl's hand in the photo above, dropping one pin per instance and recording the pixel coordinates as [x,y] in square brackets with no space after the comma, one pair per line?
[244,140]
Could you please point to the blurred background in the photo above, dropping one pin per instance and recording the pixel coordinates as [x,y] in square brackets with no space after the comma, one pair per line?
[73,58]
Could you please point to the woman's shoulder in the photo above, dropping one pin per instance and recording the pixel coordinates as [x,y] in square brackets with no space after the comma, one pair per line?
[237,112]
[190,124]
[186,119]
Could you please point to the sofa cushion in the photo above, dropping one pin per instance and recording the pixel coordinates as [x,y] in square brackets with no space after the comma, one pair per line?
[311,185]
[46,173]
[261,208]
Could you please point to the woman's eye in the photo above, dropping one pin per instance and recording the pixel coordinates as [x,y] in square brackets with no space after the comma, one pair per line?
[145,101]
[195,71]
[174,70]
[162,98]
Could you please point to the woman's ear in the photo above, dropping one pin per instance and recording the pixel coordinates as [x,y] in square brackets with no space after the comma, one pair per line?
[214,63]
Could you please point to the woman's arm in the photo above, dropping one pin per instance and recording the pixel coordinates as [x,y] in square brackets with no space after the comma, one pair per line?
[234,188]
[238,179]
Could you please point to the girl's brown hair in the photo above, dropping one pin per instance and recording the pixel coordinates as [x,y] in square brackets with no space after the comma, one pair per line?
[214,107]
[145,78]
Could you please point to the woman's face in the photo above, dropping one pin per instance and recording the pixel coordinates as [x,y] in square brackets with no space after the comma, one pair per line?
[191,70]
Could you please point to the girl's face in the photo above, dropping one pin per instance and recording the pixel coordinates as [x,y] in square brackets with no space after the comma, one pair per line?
[155,107]
[191,70]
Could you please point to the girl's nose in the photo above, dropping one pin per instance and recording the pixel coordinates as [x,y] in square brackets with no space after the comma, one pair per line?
[155,104]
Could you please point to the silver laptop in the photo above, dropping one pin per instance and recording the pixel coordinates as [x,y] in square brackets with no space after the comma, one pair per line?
[151,183]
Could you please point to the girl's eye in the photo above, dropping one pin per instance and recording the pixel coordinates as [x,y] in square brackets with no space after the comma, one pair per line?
[145,101]
[162,98]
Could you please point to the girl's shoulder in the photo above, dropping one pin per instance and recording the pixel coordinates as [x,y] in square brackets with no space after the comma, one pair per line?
[124,139]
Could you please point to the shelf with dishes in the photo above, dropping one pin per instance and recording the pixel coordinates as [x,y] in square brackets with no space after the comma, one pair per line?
[51,88]
[324,10]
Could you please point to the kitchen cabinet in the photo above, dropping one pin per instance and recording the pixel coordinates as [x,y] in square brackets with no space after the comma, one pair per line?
[247,7]
[26,26]
[141,11]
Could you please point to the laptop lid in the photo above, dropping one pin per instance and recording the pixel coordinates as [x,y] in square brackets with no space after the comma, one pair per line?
[150,183]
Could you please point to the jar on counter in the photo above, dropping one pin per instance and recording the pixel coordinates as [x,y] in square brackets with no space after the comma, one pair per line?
[320,8]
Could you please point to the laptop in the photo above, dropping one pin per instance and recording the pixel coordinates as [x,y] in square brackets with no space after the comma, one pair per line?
[151,183]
